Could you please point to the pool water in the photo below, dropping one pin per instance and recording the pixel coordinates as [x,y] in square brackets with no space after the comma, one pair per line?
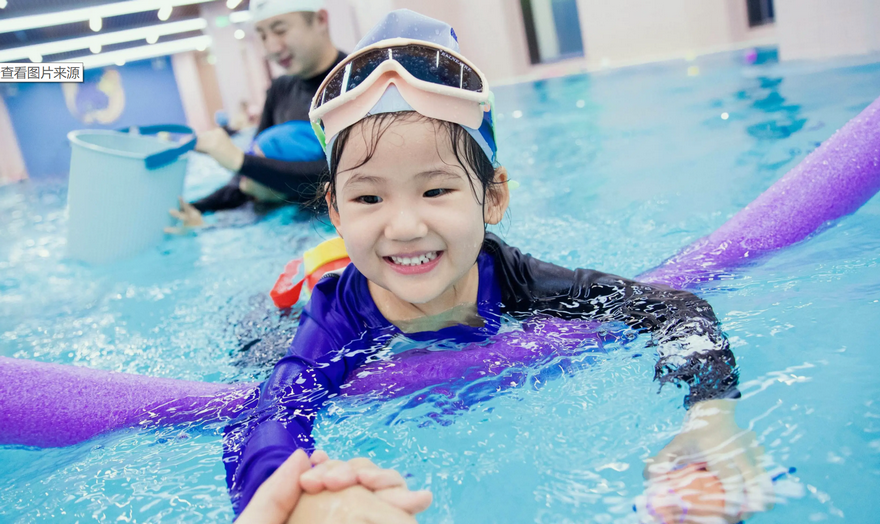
[617,171]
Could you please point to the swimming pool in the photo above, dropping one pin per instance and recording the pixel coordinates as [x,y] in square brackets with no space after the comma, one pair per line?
[617,170]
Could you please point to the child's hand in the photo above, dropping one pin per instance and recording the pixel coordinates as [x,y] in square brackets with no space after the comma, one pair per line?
[190,218]
[711,472]
[387,484]
[276,499]
[353,505]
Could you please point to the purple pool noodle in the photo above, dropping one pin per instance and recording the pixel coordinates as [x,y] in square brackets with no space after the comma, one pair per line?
[50,405]
[417,369]
[833,181]
[53,405]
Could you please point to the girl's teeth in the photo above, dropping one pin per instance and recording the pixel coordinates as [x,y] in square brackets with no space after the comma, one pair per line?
[414,261]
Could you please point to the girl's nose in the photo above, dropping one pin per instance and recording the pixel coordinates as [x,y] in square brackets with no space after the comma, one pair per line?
[405,225]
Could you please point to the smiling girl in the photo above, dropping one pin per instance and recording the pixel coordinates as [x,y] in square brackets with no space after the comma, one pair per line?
[413,183]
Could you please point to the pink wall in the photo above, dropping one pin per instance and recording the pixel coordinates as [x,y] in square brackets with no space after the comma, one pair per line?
[344,28]
[239,66]
[627,31]
[614,32]
[12,167]
[491,32]
[822,29]
[192,95]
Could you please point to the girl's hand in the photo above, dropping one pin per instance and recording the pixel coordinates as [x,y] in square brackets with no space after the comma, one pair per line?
[276,499]
[190,218]
[353,505]
[387,484]
[712,471]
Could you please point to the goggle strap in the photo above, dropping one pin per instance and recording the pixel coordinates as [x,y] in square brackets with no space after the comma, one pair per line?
[319,132]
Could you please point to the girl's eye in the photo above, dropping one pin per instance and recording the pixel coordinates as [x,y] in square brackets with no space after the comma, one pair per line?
[433,193]
[368,199]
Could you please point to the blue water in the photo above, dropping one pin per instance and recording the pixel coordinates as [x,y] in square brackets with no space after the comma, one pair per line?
[618,170]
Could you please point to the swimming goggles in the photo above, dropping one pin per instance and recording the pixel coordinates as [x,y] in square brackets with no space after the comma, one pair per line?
[429,67]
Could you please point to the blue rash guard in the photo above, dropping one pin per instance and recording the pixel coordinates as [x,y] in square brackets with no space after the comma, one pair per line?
[341,327]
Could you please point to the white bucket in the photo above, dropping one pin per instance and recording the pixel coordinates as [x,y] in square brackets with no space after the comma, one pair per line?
[121,188]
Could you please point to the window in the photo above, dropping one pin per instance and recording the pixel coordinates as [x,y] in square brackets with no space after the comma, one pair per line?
[553,30]
[760,12]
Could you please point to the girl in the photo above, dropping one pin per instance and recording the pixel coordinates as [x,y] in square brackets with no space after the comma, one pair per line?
[407,127]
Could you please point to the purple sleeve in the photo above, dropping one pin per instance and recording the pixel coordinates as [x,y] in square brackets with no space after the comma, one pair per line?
[281,421]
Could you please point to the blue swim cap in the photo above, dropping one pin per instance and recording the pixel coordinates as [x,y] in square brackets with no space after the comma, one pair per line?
[404,23]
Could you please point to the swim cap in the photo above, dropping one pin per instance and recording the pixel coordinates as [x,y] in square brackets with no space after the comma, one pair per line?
[262,9]
[409,25]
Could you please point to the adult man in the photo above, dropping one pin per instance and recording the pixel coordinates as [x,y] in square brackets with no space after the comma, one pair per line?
[295,35]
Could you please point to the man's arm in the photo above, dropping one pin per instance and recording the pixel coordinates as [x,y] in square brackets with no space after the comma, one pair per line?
[267,119]
[298,180]
[227,197]
[231,157]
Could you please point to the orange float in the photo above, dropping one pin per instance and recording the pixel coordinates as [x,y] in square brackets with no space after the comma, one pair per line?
[327,256]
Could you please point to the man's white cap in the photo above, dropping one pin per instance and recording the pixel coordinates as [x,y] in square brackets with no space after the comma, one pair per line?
[263,9]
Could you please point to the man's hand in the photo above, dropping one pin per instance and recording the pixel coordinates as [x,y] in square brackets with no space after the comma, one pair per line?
[190,218]
[218,144]
[353,505]
[387,484]
[710,458]
[276,499]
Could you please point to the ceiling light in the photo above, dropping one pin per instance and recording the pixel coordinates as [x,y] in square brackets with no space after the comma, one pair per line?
[96,23]
[164,12]
[153,38]
[36,58]
[201,47]
[143,52]
[120,63]
[238,34]
[104,39]
[95,48]
[2,4]
[239,17]
[23,23]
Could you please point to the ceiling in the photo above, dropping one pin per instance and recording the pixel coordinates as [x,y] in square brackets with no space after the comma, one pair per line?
[17,8]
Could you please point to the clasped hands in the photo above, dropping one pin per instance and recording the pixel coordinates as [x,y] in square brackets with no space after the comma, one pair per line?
[713,472]
[319,490]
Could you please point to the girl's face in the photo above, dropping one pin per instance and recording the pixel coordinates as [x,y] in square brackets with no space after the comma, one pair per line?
[409,216]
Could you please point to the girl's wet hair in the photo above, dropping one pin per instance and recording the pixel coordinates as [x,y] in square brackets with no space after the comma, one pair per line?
[467,152]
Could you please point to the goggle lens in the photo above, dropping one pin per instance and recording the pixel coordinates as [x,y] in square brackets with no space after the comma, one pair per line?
[425,63]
